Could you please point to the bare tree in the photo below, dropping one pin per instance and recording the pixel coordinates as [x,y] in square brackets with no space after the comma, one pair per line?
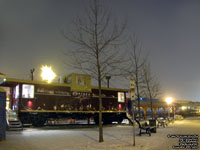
[151,86]
[97,37]
[136,65]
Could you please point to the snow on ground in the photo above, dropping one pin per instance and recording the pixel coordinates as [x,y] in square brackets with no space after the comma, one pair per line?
[117,137]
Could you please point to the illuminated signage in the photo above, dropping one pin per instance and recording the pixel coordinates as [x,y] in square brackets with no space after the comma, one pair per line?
[83,94]
[52,92]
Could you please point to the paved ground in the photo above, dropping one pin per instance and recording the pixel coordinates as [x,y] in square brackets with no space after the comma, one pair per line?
[116,137]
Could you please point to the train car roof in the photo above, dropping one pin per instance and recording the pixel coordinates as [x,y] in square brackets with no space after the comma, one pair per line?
[111,89]
[13,82]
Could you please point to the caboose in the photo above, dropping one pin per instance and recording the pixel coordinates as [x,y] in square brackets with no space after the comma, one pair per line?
[35,102]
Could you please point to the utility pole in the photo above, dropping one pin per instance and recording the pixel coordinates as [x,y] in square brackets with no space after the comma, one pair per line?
[32,73]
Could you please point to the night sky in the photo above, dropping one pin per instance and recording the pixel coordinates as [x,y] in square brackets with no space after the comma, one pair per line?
[30,36]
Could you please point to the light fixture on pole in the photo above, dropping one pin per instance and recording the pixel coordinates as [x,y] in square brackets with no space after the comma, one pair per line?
[47,74]
[169,101]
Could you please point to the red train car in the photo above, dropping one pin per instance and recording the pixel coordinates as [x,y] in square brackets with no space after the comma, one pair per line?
[36,101]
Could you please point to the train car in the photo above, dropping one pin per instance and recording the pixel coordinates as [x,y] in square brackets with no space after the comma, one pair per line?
[36,102]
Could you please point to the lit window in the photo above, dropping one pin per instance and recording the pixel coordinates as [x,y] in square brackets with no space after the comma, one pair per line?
[17,91]
[7,105]
[121,97]
[27,91]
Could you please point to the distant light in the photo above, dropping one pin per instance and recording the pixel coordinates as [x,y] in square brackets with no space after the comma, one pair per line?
[183,107]
[169,100]
[2,80]
[47,74]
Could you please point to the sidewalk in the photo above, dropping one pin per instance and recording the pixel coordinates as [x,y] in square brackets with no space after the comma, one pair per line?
[115,138]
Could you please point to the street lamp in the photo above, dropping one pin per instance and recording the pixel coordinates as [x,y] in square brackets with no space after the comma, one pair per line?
[169,101]
[47,74]
[183,107]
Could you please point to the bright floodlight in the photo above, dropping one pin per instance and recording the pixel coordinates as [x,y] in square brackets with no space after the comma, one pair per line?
[169,100]
[47,73]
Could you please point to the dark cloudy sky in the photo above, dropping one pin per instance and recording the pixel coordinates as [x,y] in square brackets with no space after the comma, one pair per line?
[169,29]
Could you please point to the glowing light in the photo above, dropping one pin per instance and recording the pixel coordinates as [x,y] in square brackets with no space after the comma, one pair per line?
[169,100]
[47,74]
[183,107]
[30,104]
[120,106]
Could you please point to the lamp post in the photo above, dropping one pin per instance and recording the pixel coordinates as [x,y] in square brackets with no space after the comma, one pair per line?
[32,73]
[169,101]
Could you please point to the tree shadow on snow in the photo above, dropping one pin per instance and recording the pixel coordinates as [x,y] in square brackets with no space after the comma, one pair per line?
[89,137]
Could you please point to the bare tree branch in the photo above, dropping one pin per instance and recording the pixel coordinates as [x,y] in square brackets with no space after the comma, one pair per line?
[151,86]
[96,37]
[135,69]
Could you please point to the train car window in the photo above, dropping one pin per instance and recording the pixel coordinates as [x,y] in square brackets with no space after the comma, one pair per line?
[27,91]
[17,91]
[121,97]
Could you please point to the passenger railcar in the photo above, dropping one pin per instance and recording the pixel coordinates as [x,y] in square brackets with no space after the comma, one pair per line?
[36,101]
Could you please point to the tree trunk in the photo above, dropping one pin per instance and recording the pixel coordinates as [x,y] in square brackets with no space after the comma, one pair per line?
[100,113]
